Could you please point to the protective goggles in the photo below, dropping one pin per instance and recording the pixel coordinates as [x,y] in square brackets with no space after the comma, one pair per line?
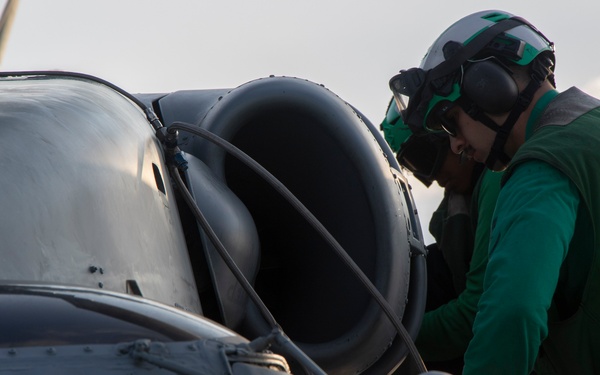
[424,156]
[439,119]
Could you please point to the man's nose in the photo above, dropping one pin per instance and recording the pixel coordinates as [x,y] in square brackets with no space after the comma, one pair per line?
[457,144]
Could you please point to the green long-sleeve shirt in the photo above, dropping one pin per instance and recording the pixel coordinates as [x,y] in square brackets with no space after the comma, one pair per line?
[533,226]
[446,331]
[542,250]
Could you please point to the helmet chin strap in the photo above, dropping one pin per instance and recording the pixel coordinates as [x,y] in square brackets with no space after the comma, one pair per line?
[539,74]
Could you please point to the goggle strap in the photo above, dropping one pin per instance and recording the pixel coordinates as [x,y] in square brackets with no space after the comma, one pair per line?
[476,113]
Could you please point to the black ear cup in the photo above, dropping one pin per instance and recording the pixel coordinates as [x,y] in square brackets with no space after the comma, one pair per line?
[490,87]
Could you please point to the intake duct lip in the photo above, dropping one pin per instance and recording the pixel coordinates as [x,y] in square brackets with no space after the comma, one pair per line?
[332,160]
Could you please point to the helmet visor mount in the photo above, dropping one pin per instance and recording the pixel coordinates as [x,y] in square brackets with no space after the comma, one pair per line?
[406,86]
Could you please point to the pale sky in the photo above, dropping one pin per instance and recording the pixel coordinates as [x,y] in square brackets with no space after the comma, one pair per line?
[351,47]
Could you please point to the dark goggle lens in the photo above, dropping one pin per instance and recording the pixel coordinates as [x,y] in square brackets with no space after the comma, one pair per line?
[423,157]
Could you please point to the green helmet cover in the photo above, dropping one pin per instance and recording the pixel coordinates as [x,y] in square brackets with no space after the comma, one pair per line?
[394,130]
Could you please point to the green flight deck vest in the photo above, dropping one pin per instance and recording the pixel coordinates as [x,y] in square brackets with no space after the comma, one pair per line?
[567,136]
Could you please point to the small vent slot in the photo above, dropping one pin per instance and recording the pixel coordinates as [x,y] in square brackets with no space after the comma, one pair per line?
[133,288]
[158,178]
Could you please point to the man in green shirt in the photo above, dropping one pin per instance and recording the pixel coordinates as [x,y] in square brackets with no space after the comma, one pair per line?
[461,226]
[488,81]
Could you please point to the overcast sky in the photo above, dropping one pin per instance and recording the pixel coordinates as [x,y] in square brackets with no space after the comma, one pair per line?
[352,47]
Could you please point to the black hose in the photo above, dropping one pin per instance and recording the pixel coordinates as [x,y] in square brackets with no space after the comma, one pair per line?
[153,119]
[221,249]
[310,367]
[278,186]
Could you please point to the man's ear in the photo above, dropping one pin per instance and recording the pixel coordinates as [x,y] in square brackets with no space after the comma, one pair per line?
[490,86]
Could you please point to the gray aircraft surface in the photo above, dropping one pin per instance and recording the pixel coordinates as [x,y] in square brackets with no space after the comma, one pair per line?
[264,229]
